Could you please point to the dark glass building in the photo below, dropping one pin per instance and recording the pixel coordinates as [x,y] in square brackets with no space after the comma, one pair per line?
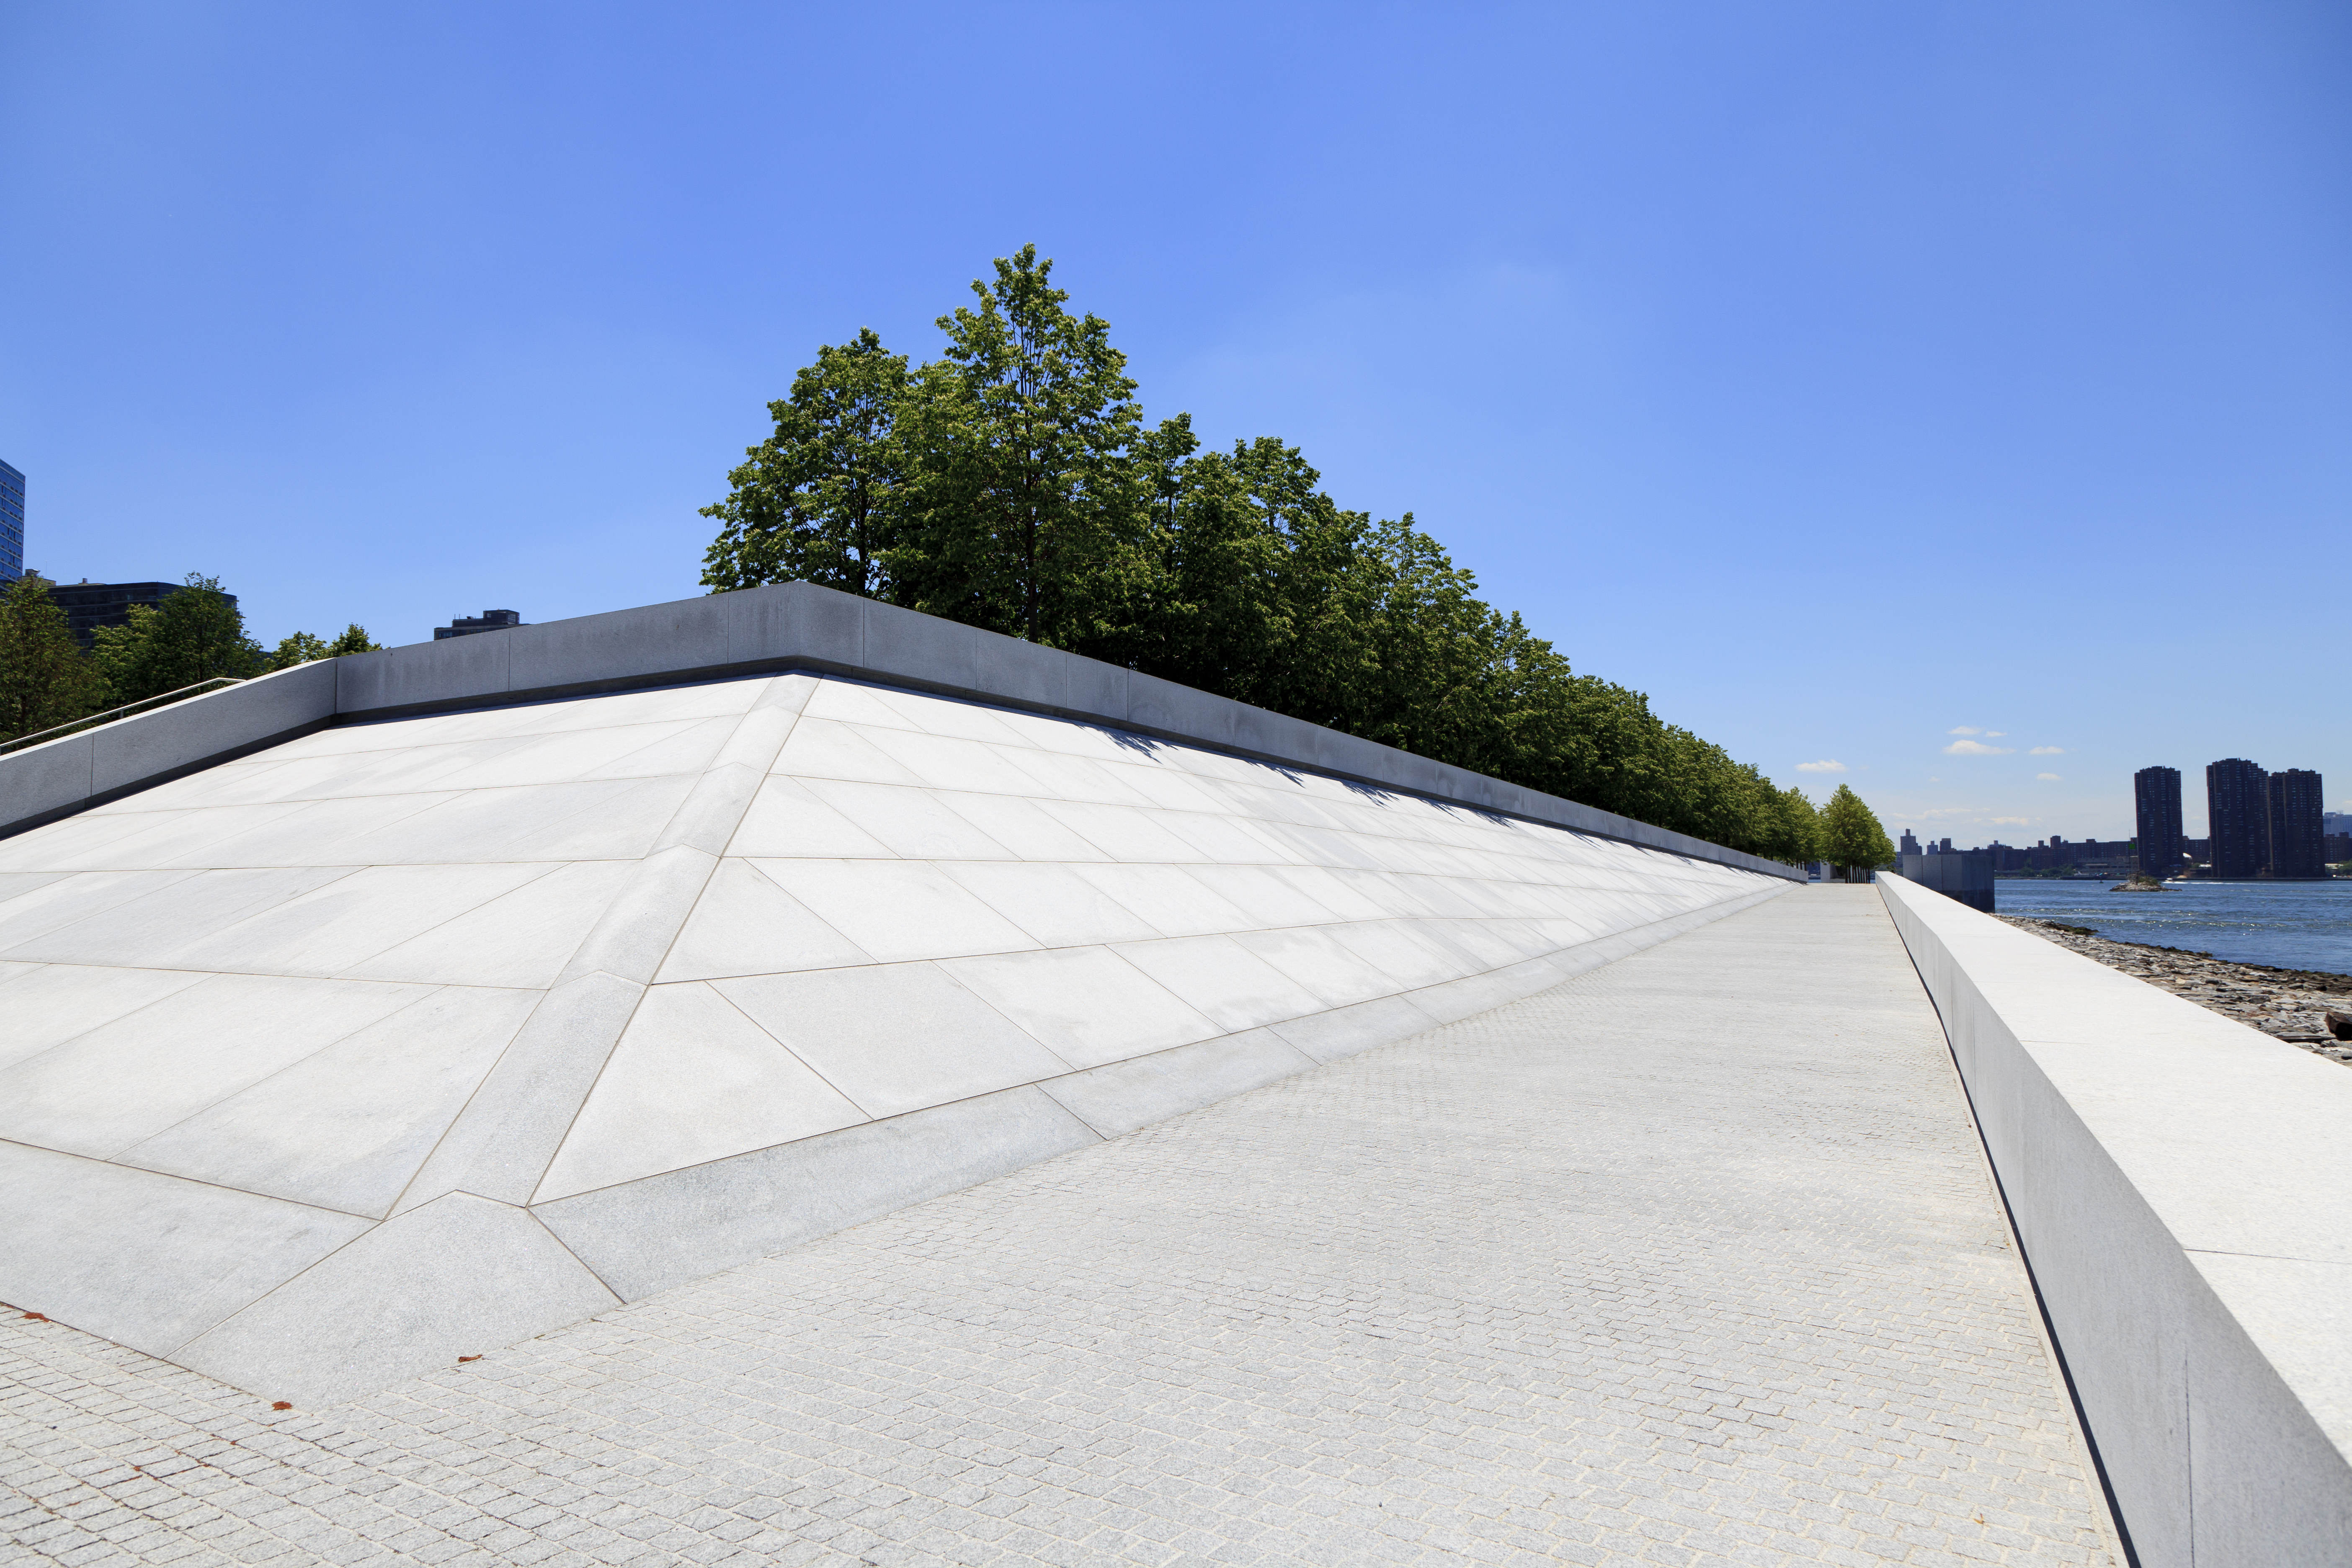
[2158,793]
[2238,811]
[12,523]
[2295,845]
[89,605]
[488,621]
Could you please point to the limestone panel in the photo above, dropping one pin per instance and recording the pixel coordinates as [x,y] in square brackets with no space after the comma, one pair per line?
[145,1260]
[692,1080]
[691,967]
[347,1127]
[894,1037]
[455,1277]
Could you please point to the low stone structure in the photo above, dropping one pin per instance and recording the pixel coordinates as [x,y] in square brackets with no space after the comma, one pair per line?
[2167,1170]
[2290,1004]
[487,985]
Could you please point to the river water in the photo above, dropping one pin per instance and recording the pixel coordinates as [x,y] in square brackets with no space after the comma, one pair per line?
[2294,925]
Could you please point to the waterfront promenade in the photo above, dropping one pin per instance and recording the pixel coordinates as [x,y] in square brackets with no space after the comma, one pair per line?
[1691,1261]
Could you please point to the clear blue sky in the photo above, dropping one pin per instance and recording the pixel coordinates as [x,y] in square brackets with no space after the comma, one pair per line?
[1839,374]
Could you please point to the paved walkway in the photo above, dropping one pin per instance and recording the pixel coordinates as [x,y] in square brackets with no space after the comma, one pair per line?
[1690,1261]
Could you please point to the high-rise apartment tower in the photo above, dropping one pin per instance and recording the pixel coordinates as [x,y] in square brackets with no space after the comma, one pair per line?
[2158,793]
[2294,841]
[12,523]
[2237,806]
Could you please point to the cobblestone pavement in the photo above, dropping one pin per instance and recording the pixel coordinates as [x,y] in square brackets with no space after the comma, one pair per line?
[1690,1261]
[2292,1005]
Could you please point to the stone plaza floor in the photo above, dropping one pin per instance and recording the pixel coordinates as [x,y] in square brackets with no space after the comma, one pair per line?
[1692,1260]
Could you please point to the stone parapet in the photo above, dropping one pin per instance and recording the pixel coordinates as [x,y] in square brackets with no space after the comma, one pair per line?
[794,626]
[2170,1174]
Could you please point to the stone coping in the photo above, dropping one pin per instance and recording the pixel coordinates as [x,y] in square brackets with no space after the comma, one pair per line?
[794,625]
[2172,1175]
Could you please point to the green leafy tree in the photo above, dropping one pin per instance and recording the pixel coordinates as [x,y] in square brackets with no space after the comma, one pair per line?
[196,634]
[1257,585]
[117,654]
[1029,511]
[1800,828]
[1013,484]
[820,499]
[44,680]
[1851,835]
[303,648]
[299,648]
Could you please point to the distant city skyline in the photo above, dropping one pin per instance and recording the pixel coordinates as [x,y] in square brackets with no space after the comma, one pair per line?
[2271,825]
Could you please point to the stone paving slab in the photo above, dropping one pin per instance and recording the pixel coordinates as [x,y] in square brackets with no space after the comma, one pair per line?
[1692,1260]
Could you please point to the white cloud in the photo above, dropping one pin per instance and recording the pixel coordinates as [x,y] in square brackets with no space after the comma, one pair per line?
[1977,748]
[2053,778]
[1826,765]
[1964,729]
[2009,822]
[1935,781]
[2045,751]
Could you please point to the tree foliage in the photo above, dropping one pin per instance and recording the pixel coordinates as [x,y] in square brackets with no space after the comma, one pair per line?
[1027,512]
[44,681]
[1012,483]
[1849,833]
[822,499]
[303,647]
[196,634]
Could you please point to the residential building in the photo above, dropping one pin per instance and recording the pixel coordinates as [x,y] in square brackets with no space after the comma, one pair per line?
[2294,841]
[2237,810]
[89,605]
[12,523]
[488,621]
[2157,792]
[2091,857]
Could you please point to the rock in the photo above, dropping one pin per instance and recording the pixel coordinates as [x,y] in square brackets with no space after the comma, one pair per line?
[2339,1023]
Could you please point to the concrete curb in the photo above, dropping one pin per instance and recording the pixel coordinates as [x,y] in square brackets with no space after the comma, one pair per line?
[2169,1173]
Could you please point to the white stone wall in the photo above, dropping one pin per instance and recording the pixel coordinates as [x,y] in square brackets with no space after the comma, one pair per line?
[443,1029]
[2172,1177]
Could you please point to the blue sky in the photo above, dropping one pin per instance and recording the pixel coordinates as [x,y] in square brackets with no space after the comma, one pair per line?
[1847,377]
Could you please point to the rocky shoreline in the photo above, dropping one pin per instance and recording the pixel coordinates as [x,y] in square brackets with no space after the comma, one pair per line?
[2285,1004]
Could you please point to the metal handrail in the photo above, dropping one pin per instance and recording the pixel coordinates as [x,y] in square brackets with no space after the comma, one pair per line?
[111,714]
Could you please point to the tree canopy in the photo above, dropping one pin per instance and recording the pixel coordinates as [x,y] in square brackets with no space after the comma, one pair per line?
[1849,833]
[820,501]
[44,679]
[1012,483]
[303,647]
[196,634]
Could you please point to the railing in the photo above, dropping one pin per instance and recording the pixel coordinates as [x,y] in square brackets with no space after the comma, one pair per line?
[111,714]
